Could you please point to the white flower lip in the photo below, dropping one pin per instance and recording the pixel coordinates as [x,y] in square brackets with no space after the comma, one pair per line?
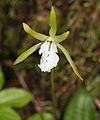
[49,58]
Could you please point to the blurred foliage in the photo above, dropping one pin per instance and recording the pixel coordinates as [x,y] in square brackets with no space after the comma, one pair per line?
[41,116]
[9,114]
[81,17]
[84,104]
[2,80]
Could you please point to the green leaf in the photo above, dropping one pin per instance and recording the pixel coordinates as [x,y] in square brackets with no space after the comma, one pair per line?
[33,33]
[41,116]
[14,97]
[80,107]
[62,37]
[69,60]
[2,80]
[53,27]
[28,52]
[9,114]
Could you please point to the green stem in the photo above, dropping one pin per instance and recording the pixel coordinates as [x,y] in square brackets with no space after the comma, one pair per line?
[53,95]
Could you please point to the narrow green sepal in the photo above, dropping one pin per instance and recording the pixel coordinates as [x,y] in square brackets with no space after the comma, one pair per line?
[53,26]
[33,33]
[28,52]
[62,37]
[69,60]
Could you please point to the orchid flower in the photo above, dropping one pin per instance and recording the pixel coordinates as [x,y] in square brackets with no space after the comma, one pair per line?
[48,47]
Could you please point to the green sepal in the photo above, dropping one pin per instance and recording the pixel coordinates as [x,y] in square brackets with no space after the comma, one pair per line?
[53,26]
[62,37]
[69,60]
[28,52]
[33,33]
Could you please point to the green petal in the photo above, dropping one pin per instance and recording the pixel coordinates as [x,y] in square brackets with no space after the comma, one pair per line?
[27,53]
[53,27]
[33,33]
[69,60]
[62,37]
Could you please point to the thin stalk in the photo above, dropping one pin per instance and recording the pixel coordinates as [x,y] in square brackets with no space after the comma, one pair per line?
[53,95]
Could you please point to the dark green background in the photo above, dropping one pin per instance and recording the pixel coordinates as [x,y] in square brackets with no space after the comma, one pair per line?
[81,17]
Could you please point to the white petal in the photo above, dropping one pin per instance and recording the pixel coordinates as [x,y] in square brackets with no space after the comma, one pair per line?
[53,47]
[49,58]
[44,47]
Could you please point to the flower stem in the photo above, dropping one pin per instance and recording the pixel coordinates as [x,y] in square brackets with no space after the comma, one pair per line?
[53,95]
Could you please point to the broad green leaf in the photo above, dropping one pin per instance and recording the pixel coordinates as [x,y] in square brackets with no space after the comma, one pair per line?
[33,33]
[80,107]
[28,52]
[53,27]
[41,116]
[9,114]
[2,80]
[62,37]
[14,97]
[69,60]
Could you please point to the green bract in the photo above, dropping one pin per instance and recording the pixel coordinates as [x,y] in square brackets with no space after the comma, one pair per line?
[52,37]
